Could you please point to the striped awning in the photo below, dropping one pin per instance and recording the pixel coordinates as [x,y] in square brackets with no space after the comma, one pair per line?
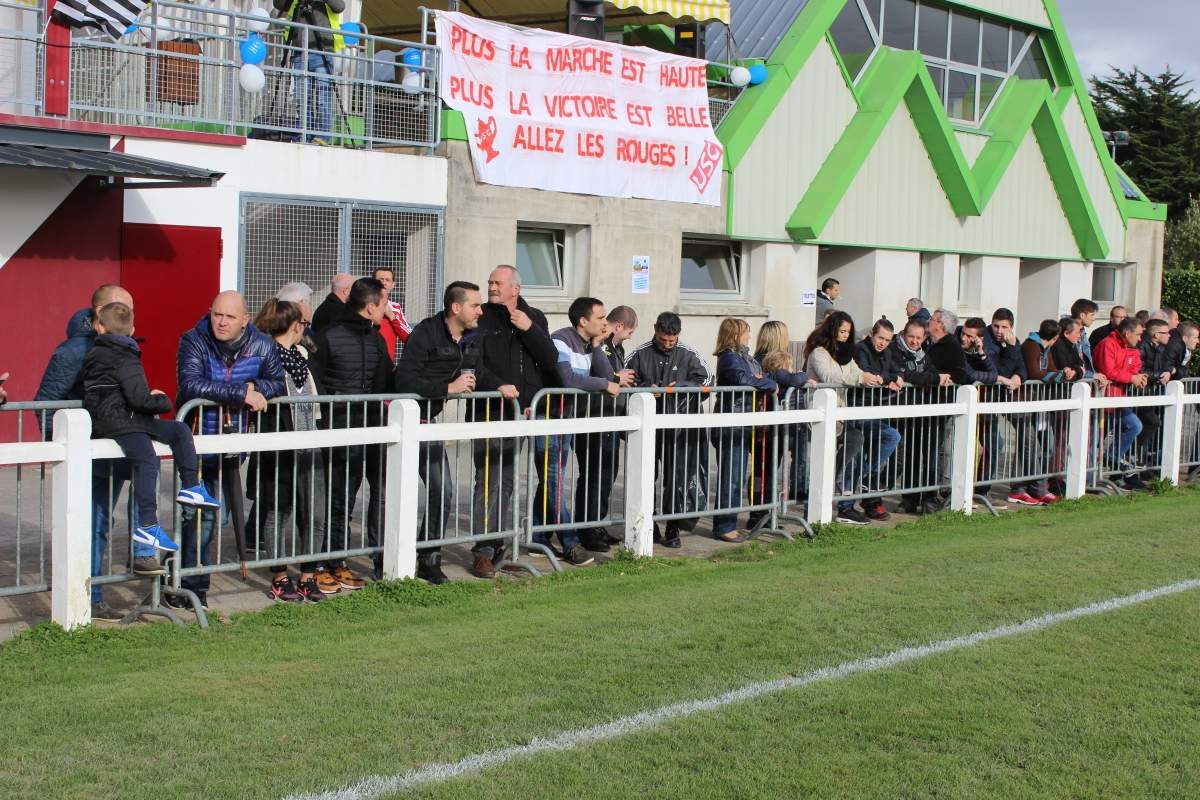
[699,10]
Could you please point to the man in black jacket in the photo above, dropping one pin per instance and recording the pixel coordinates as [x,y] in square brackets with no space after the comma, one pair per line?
[351,359]
[334,304]
[441,358]
[517,348]
[1116,315]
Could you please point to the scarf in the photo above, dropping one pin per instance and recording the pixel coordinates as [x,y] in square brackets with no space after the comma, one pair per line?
[918,355]
[229,350]
[294,363]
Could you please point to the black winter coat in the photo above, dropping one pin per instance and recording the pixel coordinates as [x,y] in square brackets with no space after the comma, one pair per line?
[329,312]
[351,358]
[115,391]
[432,360]
[524,359]
[948,357]
[871,360]
[1156,361]
[921,373]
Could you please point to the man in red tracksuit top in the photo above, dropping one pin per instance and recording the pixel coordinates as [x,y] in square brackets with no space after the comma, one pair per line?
[1118,358]
[394,327]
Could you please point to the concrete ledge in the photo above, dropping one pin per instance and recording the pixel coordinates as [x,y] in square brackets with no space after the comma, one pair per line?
[721,309]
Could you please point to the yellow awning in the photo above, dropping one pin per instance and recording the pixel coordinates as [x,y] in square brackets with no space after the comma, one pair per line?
[699,10]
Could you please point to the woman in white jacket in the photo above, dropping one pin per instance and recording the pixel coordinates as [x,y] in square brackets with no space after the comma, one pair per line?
[829,357]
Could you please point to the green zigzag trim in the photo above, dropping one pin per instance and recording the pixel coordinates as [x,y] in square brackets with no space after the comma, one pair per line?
[897,75]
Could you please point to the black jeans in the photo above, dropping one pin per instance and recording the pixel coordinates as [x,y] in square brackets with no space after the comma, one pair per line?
[492,498]
[598,455]
[347,466]
[138,448]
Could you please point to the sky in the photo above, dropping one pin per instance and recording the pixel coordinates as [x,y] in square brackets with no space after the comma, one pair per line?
[1149,34]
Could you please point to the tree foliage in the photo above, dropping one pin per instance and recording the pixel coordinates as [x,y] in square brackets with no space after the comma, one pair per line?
[1163,121]
[1182,249]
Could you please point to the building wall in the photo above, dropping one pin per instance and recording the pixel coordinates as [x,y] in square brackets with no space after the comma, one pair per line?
[1048,289]
[1096,179]
[29,196]
[1144,248]
[278,168]
[51,276]
[604,235]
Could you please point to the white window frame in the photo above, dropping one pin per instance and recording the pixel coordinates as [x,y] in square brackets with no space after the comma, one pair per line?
[715,295]
[561,238]
[1118,274]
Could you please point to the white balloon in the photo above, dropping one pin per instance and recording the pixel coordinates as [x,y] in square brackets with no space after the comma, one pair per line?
[739,77]
[412,83]
[262,21]
[251,78]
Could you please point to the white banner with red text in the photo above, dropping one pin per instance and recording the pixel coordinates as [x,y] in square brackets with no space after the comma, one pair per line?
[562,113]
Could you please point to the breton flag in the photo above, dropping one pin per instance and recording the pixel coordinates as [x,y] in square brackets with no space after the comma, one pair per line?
[111,16]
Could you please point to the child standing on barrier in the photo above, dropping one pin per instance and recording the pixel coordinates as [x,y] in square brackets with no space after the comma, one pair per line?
[124,408]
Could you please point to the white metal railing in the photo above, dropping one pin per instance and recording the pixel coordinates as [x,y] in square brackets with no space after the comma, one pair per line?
[71,452]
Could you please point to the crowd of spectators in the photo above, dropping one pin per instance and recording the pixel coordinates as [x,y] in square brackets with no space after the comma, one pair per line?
[357,343]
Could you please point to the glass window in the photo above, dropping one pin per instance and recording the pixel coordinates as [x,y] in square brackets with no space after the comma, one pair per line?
[960,96]
[1015,43]
[1104,284]
[900,23]
[540,257]
[1131,191]
[964,39]
[939,79]
[710,266]
[1033,66]
[873,8]
[853,38]
[932,31]
[989,87]
[995,47]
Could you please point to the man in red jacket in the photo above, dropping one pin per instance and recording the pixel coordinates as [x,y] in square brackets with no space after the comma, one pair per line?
[394,327]
[1119,359]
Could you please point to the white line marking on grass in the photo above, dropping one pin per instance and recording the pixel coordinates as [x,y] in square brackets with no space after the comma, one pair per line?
[379,785]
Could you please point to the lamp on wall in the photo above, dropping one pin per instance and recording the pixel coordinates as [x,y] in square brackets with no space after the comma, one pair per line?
[586,18]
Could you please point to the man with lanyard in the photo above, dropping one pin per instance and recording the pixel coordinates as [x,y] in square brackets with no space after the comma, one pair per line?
[442,358]
[314,95]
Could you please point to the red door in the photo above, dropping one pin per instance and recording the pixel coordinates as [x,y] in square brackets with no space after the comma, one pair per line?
[173,273]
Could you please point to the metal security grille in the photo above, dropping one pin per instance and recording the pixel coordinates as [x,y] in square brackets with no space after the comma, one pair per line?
[289,239]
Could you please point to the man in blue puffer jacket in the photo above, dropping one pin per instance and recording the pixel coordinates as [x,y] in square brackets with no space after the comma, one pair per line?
[224,359]
[59,382]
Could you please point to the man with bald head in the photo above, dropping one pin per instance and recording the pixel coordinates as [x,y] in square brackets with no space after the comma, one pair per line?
[334,304]
[59,382]
[225,360]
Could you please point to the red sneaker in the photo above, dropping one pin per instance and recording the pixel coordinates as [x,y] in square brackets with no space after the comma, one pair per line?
[1049,499]
[1023,499]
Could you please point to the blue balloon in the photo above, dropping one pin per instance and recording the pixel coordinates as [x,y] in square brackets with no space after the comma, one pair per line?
[350,31]
[131,29]
[411,57]
[758,74]
[253,49]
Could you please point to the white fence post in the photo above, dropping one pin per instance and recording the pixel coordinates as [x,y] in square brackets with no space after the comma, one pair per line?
[1172,433]
[71,537]
[1079,441]
[962,471]
[639,477]
[400,511]
[822,458]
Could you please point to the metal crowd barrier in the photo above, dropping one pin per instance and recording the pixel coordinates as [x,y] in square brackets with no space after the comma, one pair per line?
[717,471]
[1190,451]
[25,521]
[1126,441]
[180,70]
[1026,451]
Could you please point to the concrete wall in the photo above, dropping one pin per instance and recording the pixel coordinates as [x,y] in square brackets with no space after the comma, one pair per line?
[874,283]
[1144,247]
[1048,289]
[28,198]
[604,234]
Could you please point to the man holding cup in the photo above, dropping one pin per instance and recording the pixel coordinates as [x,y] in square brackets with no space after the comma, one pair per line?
[442,358]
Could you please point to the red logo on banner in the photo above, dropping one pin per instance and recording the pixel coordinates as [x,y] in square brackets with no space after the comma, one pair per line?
[485,138]
[707,166]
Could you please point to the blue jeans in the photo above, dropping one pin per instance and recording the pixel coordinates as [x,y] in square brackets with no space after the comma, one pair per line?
[1130,429]
[733,445]
[198,537]
[550,506]
[881,441]
[319,91]
[104,497]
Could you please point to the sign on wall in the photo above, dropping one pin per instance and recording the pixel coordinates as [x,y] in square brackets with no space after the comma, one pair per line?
[550,111]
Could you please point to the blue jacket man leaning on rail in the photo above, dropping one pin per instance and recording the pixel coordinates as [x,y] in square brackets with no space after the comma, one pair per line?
[226,361]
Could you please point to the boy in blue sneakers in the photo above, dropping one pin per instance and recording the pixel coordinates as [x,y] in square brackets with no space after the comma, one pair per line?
[124,408]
